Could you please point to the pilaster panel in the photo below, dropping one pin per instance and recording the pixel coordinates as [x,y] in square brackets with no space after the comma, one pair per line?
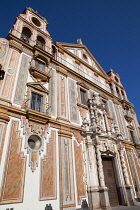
[3,128]
[48,170]
[13,179]
[74,114]
[22,79]
[81,190]
[67,178]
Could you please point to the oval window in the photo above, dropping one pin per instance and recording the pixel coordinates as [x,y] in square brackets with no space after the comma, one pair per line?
[34,142]
[36,21]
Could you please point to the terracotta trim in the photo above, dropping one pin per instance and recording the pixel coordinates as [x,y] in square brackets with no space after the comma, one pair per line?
[82,84]
[62,71]
[82,105]
[61,118]
[69,205]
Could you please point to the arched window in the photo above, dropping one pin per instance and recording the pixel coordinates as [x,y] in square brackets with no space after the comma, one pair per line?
[26,34]
[116,79]
[40,42]
[118,92]
[111,88]
[123,94]
[54,52]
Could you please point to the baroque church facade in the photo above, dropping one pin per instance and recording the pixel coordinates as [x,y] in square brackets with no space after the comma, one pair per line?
[69,137]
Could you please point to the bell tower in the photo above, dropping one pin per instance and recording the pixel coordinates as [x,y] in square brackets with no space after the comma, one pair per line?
[30,28]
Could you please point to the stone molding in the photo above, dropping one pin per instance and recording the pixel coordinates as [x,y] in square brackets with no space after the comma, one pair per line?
[15,45]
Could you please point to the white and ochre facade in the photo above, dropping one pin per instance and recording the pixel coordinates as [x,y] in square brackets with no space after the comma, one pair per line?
[68,134]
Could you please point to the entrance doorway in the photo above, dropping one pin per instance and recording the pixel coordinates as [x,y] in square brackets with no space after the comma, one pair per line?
[110,181]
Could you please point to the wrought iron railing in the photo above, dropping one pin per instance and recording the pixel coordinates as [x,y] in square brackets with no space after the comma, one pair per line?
[37,106]
[83,73]
[30,41]
[63,61]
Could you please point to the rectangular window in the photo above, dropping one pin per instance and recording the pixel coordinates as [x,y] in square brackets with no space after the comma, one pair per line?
[83,95]
[36,102]
[106,106]
[132,136]
[40,65]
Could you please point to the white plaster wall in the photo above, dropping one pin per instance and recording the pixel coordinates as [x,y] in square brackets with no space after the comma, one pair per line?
[32,180]
[4,154]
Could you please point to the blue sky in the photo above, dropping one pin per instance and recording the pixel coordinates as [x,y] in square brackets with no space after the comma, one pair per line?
[110,29]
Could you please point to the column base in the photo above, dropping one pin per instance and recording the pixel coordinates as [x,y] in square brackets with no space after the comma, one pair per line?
[130,196]
[98,199]
[104,198]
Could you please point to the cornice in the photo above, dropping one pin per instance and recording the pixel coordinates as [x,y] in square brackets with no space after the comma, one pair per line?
[117,84]
[130,126]
[124,102]
[39,52]
[128,145]
[137,146]
[128,118]
[88,81]
[38,86]
[82,84]
[62,71]
[111,70]
[13,111]
[57,124]
[24,44]
[4,115]
[35,13]
[65,133]
[83,106]
[39,74]
[15,45]
[5,101]
[61,118]
[38,117]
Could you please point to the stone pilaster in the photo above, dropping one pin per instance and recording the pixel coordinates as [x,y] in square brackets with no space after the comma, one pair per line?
[129,190]
[92,179]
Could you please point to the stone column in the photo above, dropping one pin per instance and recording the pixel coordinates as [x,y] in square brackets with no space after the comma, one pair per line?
[129,190]
[91,166]
[104,197]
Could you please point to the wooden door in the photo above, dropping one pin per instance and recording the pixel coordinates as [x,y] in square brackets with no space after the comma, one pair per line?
[110,181]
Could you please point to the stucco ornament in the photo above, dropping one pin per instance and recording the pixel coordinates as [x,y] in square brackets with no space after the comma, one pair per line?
[35,135]
[3,44]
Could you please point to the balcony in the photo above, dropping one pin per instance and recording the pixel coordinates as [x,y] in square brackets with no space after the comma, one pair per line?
[18,36]
[39,74]
[37,111]
[128,116]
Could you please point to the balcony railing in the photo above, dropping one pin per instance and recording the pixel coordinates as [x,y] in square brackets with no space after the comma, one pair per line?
[25,38]
[30,41]
[37,106]
[82,72]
